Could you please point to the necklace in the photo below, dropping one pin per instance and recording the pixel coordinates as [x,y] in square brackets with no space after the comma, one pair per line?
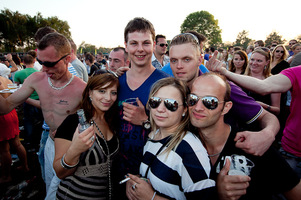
[60,88]
[108,158]
[213,155]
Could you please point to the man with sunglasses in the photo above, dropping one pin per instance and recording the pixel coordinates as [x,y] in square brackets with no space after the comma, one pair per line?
[209,101]
[59,92]
[185,60]
[159,59]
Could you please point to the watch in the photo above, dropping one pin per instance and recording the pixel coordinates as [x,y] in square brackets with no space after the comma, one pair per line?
[146,124]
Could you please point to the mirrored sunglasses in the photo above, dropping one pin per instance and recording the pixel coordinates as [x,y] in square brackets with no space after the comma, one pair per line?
[171,104]
[209,102]
[51,64]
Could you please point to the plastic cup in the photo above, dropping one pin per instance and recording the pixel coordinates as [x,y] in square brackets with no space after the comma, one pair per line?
[132,101]
[12,86]
[240,165]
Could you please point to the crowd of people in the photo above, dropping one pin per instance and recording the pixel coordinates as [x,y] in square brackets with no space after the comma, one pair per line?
[147,124]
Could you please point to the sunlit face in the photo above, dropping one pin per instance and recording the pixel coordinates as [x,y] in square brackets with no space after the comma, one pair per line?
[238,61]
[116,60]
[257,63]
[200,116]
[161,50]
[140,47]
[103,98]
[50,54]
[184,62]
[164,118]
[278,53]
[297,50]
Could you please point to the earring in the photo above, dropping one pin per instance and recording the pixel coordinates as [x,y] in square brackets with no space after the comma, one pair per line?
[90,98]
[183,115]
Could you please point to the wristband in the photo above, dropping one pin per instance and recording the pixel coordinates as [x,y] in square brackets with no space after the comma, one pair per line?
[154,195]
[65,165]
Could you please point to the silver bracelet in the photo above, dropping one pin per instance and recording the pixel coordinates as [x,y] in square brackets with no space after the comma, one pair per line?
[154,195]
[65,165]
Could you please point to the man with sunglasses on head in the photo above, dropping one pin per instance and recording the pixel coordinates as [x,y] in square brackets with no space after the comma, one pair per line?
[185,60]
[159,59]
[209,101]
[59,91]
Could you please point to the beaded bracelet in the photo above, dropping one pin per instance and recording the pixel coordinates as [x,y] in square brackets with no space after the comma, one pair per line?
[154,195]
[65,165]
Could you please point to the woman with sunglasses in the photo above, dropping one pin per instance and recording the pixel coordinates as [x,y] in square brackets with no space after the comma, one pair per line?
[175,164]
[260,67]
[239,62]
[83,159]
[279,63]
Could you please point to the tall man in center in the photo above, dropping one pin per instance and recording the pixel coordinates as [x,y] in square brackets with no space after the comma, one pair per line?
[139,36]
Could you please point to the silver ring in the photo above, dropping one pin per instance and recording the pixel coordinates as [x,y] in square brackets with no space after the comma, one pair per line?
[134,186]
[92,138]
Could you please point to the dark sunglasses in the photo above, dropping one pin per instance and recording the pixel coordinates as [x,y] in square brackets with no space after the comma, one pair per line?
[278,51]
[104,71]
[292,43]
[209,102]
[162,45]
[51,64]
[171,104]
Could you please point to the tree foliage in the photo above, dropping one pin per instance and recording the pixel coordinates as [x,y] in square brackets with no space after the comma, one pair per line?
[274,37]
[84,47]
[203,22]
[242,40]
[17,30]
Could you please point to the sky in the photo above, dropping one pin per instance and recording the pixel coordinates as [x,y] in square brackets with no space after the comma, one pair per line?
[102,23]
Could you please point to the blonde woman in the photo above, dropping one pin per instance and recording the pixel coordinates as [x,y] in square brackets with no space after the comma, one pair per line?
[175,162]
[279,63]
[260,67]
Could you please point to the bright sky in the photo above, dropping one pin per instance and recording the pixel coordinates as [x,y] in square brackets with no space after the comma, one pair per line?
[102,23]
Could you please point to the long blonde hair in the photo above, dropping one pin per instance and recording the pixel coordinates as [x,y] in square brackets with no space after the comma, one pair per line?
[181,130]
[266,53]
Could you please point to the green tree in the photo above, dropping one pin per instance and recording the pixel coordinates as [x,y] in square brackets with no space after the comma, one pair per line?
[17,30]
[203,22]
[242,39]
[274,37]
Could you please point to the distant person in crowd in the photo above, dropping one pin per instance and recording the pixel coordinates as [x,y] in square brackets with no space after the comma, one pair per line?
[4,70]
[296,48]
[260,67]
[33,117]
[239,62]
[9,137]
[259,43]
[118,58]
[288,79]
[36,65]
[279,56]
[8,61]
[175,161]
[59,93]
[90,62]
[100,62]
[208,103]
[249,51]
[201,40]
[139,40]
[159,59]
[185,47]
[230,53]
[83,160]
[207,54]
[290,44]
[77,64]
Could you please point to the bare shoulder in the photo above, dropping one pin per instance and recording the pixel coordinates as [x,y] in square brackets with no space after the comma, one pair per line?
[79,83]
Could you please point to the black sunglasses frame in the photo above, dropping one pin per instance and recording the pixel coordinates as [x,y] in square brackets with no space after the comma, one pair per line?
[171,104]
[51,64]
[206,100]
[162,45]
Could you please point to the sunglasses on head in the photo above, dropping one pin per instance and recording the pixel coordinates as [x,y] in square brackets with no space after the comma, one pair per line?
[162,45]
[171,104]
[51,64]
[278,51]
[209,102]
